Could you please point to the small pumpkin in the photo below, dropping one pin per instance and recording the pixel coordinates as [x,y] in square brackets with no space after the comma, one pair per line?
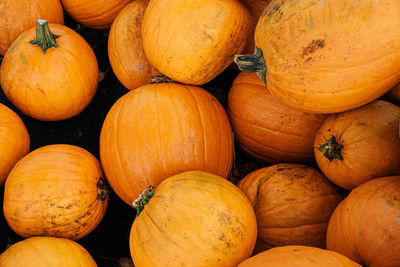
[125,47]
[46,251]
[355,146]
[56,190]
[14,141]
[50,75]
[267,129]
[17,16]
[193,41]
[293,204]
[194,219]
[365,226]
[98,15]
[302,256]
[159,130]
[327,56]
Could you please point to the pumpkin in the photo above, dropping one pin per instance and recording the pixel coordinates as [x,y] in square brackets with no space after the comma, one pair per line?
[53,77]
[267,129]
[46,251]
[159,130]
[292,202]
[14,141]
[16,16]
[302,256]
[394,94]
[192,41]
[98,15]
[365,226]
[56,190]
[327,56]
[125,47]
[355,146]
[193,219]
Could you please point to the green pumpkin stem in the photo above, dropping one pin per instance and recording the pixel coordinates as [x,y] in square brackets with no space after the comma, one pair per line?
[143,199]
[102,190]
[253,63]
[331,149]
[44,37]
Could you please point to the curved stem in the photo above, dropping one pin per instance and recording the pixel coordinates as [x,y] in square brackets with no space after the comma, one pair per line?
[331,149]
[253,63]
[44,37]
[143,199]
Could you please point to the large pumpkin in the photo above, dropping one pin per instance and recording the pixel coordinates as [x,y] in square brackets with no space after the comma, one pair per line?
[14,141]
[56,190]
[328,56]
[293,204]
[298,256]
[46,251]
[267,129]
[194,219]
[359,145]
[160,130]
[50,78]
[98,14]
[17,16]
[192,41]
[366,226]
[125,47]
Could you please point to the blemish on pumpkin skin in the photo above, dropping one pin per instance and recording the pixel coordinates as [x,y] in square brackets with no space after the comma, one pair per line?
[312,47]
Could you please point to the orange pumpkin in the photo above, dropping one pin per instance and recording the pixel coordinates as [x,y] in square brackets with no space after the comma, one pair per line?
[46,251]
[50,78]
[327,56]
[301,256]
[359,145]
[14,141]
[267,129]
[56,190]
[365,226]
[97,15]
[160,130]
[194,219]
[193,41]
[293,204]
[16,16]
[125,47]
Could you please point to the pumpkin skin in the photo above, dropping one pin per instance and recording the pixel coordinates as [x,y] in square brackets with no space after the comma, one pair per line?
[98,15]
[330,56]
[14,141]
[54,85]
[370,142]
[192,41]
[267,129]
[56,190]
[46,251]
[125,47]
[292,203]
[159,130]
[16,16]
[365,226]
[298,256]
[204,219]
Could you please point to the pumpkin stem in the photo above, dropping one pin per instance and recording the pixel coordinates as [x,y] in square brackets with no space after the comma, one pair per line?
[102,190]
[253,63]
[143,199]
[331,149]
[44,37]
[161,79]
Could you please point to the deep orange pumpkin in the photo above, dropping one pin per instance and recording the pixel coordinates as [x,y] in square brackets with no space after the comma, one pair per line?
[125,47]
[366,226]
[53,82]
[267,129]
[293,204]
[160,130]
[355,146]
[17,16]
[14,141]
[56,190]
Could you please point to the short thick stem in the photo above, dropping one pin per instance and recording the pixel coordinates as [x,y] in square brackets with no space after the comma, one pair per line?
[331,149]
[253,63]
[102,190]
[44,37]
[143,199]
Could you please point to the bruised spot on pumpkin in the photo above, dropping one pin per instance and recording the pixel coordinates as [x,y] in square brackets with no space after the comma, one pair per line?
[312,47]
[274,9]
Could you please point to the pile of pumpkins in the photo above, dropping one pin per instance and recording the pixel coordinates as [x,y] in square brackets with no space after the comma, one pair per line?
[305,106]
